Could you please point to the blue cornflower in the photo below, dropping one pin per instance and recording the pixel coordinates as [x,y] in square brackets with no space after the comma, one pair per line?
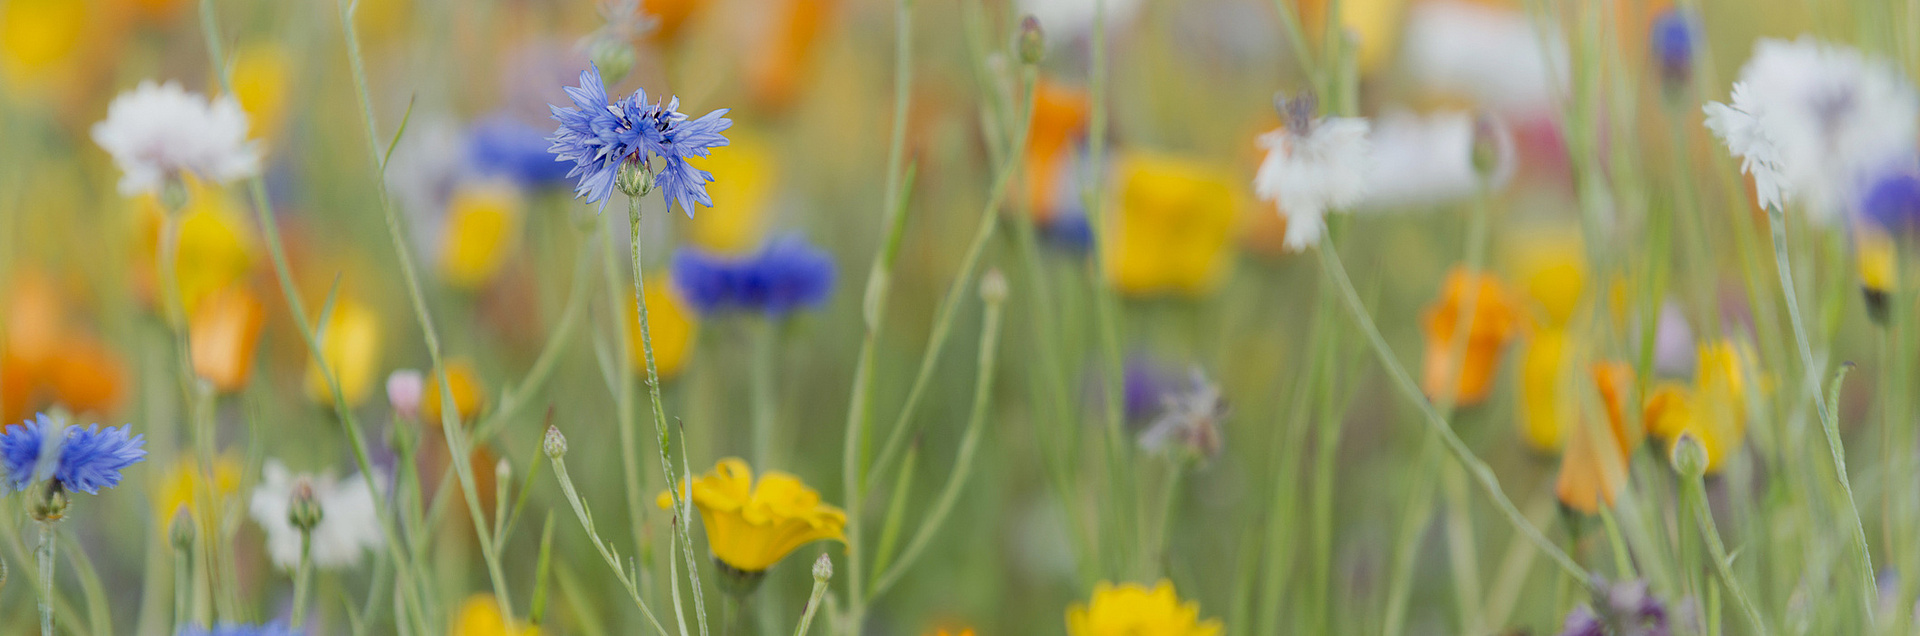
[599,136]
[785,275]
[1069,230]
[503,146]
[1893,202]
[1144,384]
[1671,36]
[83,460]
[235,629]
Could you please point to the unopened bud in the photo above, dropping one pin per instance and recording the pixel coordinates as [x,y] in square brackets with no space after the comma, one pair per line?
[555,444]
[613,55]
[303,512]
[635,177]
[52,503]
[1688,456]
[503,471]
[1492,149]
[823,566]
[180,530]
[403,392]
[993,287]
[1033,41]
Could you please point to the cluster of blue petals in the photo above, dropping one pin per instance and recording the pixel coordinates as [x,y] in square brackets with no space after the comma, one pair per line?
[235,629]
[502,146]
[786,275]
[1893,202]
[81,459]
[598,136]
[1672,37]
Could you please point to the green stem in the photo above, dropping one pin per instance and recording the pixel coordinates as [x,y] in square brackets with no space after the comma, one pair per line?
[1703,519]
[182,586]
[45,554]
[302,578]
[1105,305]
[1828,424]
[607,554]
[623,402]
[761,380]
[1482,474]
[813,604]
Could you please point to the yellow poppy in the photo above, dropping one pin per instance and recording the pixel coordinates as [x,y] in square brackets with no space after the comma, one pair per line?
[1544,410]
[183,482]
[216,247]
[480,615]
[674,328]
[38,38]
[482,231]
[350,343]
[223,332]
[1495,319]
[743,179]
[1713,408]
[1172,227]
[1553,272]
[469,393]
[1134,610]
[751,526]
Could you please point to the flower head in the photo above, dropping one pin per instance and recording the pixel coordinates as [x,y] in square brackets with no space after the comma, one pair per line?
[1312,166]
[80,459]
[185,485]
[1424,160]
[753,525]
[1190,420]
[599,136]
[1671,37]
[1892,202]
[1134,609]
[1594,467]
[348,526]
[480,615]
[480,233]
[463,381]
[223,332]
[1713,408]
[236,629]
[157,132]
[502,146]
[786,275]
[1465,377]
[1173,227]
[1618,609]
[350,344]
[1812,122]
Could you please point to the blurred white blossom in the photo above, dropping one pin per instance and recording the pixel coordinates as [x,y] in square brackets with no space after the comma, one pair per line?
[1312,166]
[349,523]
[1492,55]
[157,132]
[1423,159]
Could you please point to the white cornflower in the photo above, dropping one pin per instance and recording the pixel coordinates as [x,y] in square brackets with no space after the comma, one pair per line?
[1492,55]
[155,132]
[1312,165]
[1812,122]
[1421,160]
[349,525]
[1189,420]
[1069,20]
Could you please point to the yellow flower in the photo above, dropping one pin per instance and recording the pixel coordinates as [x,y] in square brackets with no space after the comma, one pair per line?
[743,179]
[350,343]
[480,615]
[183,483]
[1544,409]
[1374,25]
[261,76]
[1495,319]
[1591,472]
[752,526]
[482,231]
[38,38]
[223,332]
[1553,272]
[1878,272]
[469,393]
[1172,227]
[1134,610]
[673,327]
[216,248]
[1713,409]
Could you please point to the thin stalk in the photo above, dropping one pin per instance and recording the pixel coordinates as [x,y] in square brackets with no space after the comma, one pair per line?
[813,604]
[1169,503]
[302,578]
[623,403]
[680,498]
[182,585]
[1703,520]
[612,558]
[45,554]
[1777,220]
[1482,474]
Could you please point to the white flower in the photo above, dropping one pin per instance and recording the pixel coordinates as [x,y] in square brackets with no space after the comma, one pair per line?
[158,131]
[1493,55]
[349,523]
[1307,173]
[1811,122]
[1421,160]
[1067,20]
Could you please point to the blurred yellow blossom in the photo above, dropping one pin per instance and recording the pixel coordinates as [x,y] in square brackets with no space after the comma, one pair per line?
[1594,467]
[1545,364]
[216,248]
[1132,609]
[184,481]
[480,615]
[350,343]
[1373,24]
[1494,320]
[1552,270]
[469,393]
[1713,408]
[38,38]
[262,74]
[751,526]
[1879,272]
[222,333]
[674,328]
[1172,226]
[780,64]
[482,231]
[743,180]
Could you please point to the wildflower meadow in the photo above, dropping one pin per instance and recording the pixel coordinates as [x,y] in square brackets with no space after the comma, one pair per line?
[959,317]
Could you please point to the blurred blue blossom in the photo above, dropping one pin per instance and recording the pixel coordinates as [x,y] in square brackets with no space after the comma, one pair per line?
[1672,38]
[1627,608]
[83,460]
[786,275]
[598,136]
[233,629]
[502,146]
[1893,202]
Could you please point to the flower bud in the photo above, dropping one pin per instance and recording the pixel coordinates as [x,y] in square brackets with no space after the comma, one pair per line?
[993,287]
[555,444]
[404,388]
[52,503]
[1033,41]
[1493,151]
[613,55]
[635,177]
[823,566]
[303,512]
[180,530]
[503,471]
[1688,456]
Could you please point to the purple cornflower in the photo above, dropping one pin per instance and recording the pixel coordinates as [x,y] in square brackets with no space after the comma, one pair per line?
[235,629]
[502,146]
[1671,36]
[1624,609]
[599,137]
[1893,202]
[786,275]
[83,460]
[1144,388]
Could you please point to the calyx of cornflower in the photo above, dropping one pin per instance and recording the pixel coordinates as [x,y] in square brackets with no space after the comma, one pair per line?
[636,177]
[51,504]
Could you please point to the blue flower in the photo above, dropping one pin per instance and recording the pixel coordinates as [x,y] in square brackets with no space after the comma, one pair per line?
[234,629]
[1069,230]
[598,136]
[83,460]
[1893,202]
[506,147]
[786,275]
[1671,36]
